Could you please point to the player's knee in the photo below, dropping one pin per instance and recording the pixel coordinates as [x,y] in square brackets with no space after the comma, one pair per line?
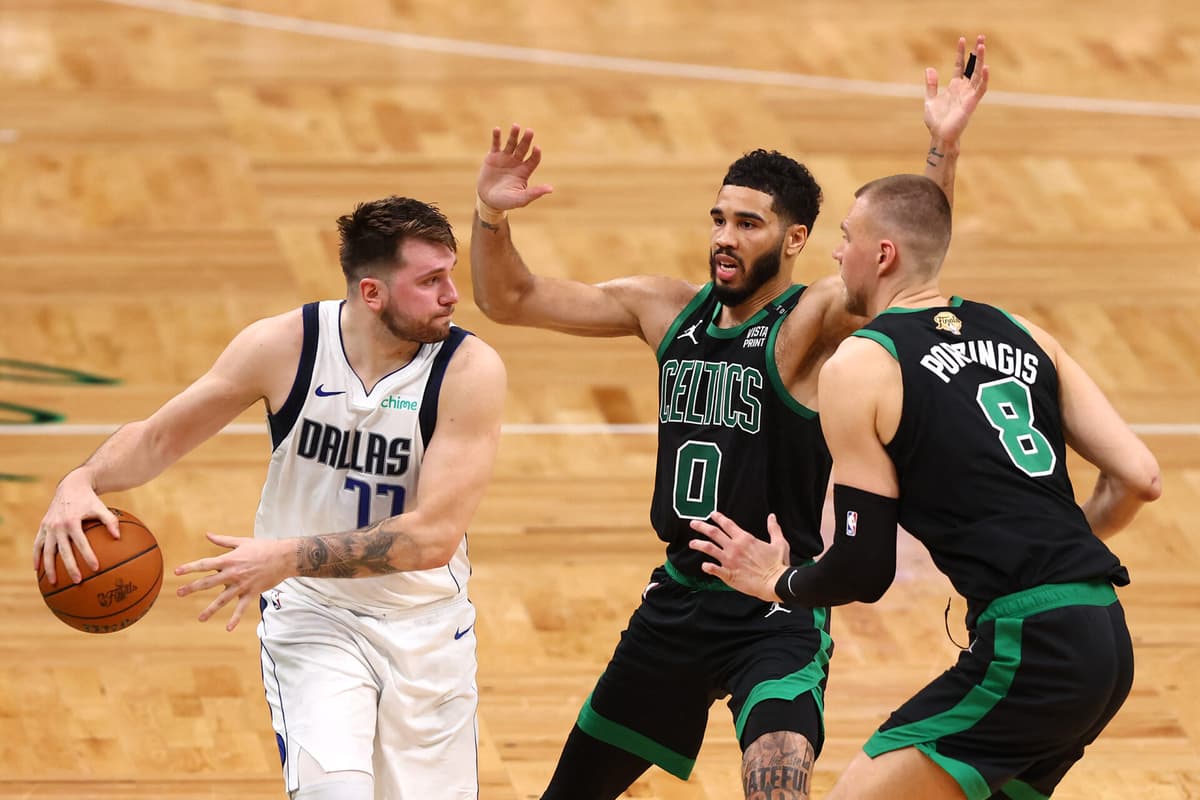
[778,764]
[317,784]
[347,785]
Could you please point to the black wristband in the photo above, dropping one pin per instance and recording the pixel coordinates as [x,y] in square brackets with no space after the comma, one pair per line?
[783,586]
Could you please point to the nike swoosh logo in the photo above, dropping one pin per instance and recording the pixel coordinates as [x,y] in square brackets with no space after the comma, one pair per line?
[322,393]
[459,634]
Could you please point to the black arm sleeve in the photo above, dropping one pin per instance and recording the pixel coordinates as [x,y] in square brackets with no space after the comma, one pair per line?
[861,562]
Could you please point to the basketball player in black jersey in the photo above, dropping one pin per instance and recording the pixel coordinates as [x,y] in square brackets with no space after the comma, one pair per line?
[738,431]
[952,418]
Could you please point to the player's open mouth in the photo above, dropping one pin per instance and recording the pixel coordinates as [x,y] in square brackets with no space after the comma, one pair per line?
[725,268]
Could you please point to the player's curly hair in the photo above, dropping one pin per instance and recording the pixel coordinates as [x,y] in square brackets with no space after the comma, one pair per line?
[372,235]
[796,197]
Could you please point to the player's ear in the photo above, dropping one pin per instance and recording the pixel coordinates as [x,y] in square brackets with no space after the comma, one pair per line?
[373,292]
[887,256]
[794,239]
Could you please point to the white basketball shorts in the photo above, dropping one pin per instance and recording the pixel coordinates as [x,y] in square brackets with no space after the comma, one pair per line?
[394,697]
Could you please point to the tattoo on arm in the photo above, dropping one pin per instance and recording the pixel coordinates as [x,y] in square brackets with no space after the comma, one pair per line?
[778,766]
[488,226]
[933,157]
[353,554]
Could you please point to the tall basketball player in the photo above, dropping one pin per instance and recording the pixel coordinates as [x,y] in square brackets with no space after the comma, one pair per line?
[381,453]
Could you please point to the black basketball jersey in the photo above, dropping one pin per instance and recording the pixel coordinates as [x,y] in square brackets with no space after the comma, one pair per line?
[731,438]
[980,453]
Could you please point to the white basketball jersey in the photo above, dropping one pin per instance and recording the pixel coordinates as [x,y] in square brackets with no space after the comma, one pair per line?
[348,455]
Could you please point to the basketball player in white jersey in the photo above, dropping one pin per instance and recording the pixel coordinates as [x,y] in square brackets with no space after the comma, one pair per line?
[384,419]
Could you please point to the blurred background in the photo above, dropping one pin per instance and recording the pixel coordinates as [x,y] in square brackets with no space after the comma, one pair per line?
[171,171]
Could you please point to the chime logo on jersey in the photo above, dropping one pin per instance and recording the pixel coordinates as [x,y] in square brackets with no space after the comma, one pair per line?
[945,321]
[400,403]
[851,523]
[711,393]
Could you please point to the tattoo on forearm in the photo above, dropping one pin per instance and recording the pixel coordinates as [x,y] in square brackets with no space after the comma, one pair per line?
[778,766]
[349,555]
[933,157]
[488,226]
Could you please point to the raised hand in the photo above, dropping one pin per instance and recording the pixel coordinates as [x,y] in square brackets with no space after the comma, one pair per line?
[504,177]
[947,112]
[744,562]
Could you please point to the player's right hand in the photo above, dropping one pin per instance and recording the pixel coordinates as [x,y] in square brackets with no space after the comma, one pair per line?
[504,177]
[74,501]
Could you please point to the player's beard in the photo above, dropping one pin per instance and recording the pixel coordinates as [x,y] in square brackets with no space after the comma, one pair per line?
[406,328]
[856,302]
[764,268]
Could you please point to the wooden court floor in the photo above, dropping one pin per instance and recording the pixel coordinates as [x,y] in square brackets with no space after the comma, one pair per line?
[170,171]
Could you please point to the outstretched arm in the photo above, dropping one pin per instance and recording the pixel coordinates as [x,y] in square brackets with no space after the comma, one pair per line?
[257,360]
[948,112]
[454,473]
[507,291]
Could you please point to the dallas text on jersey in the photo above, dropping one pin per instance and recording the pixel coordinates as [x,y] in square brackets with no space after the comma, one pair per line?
[373,454]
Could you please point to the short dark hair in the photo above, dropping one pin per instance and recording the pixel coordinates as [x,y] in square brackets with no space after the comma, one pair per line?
[795,195]
[917,208]
[372,235]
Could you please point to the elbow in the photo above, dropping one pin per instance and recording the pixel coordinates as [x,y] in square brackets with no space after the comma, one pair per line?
[1146,483]
[501,310]
[1150,489]
[440,550]
[875,591]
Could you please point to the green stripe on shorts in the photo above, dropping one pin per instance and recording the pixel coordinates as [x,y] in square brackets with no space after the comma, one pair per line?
[792,686]
[1020,790]
[1006,659]
[631,741]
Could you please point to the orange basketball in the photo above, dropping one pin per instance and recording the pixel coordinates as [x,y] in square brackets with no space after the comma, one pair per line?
[121,591]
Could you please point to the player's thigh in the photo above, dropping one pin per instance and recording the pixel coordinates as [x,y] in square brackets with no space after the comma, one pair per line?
[427,732]
[321,690]
[905,774]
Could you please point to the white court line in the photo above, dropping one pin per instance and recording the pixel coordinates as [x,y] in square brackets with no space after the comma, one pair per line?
[515,429]
[638,66]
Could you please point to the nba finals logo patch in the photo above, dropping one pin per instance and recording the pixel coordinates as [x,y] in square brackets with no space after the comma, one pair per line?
[945,321]
[851,523]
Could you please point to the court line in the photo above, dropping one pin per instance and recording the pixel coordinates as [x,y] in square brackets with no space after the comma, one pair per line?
[515,429]
[637,66]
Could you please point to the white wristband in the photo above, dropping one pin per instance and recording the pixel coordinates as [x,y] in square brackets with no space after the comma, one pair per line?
[492,216]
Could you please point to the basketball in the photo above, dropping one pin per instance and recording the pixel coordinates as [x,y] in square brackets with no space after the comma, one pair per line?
[121,591]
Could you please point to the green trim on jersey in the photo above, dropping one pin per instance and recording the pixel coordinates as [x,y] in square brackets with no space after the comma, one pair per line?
[777,381]
[1014,320]
[1020,790]
[737,330]
[966,776]
[1048,597]
[975,705]
[881,339]
[955,302]
[696,584]
[792,686]
[631,741]
[692,305]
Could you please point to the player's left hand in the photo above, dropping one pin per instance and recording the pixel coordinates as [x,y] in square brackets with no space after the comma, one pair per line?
[251,567]
[948,112]
[744,562]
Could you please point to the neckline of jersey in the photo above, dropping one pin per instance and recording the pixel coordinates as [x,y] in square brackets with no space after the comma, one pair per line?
[718,332]
[955,302]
